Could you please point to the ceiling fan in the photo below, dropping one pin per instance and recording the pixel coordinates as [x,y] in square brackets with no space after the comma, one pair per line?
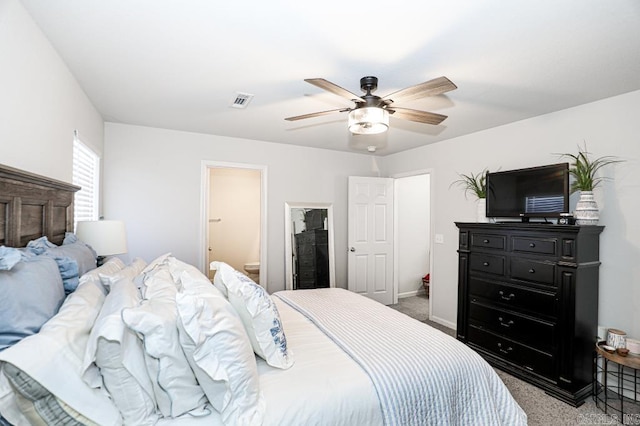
[370,115]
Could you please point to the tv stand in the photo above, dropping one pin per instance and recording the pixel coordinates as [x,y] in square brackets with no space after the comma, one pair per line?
[528,301]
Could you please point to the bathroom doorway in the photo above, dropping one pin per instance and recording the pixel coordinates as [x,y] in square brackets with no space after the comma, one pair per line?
[235,218]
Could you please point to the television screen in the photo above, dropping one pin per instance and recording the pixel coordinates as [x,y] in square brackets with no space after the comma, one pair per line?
[533,192]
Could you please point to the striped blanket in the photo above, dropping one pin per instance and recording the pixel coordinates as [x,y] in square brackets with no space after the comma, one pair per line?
[421,375]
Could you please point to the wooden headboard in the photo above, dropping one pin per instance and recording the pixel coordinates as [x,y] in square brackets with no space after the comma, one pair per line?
[32,206]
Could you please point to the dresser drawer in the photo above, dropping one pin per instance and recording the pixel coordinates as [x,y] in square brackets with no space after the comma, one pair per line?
[536,333]
[533,271]
[530,359]
[488,241]
[480,262]
[535,245]
[542,303]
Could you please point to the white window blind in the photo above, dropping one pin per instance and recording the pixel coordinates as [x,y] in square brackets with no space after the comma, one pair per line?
[86,174]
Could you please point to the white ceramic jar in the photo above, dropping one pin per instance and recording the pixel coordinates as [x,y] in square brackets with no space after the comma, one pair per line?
[616,338]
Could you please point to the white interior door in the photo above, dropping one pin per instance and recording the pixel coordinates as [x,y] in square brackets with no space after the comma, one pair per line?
[370,260]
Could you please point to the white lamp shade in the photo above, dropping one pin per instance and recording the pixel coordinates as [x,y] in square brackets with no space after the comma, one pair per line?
[368,121]
[106,237]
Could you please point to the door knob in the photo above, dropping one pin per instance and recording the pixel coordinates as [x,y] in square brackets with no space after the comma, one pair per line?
[352,249]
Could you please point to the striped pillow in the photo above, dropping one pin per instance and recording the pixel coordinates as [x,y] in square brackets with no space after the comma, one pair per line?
[39,405]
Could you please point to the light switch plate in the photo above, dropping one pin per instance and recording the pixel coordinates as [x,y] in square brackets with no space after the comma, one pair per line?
[439,239]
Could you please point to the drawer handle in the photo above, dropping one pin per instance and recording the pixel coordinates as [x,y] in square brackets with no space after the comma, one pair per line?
[505,324]
[503,297]
[532,271]
[504,351]
[485,263]
[532,245]
[486,241]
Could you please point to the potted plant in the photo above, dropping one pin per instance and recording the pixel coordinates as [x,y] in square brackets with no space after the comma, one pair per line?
[583,169]
[475,184]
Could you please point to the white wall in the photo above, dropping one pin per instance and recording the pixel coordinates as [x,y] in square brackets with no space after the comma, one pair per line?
[609,127]
[41,103]
[152,182]
[413,238]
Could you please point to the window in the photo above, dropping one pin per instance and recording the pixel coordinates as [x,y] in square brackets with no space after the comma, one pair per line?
[86,174]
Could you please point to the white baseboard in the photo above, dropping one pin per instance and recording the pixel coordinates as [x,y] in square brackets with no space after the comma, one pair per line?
[441,321]
[410,293]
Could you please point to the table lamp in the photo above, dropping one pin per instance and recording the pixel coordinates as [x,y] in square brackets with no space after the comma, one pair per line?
[106,237]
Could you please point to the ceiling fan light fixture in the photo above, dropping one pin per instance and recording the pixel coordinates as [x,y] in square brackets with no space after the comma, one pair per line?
[368,121]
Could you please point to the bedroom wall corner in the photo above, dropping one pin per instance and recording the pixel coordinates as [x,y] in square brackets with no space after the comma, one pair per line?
[41,103]
[609,127]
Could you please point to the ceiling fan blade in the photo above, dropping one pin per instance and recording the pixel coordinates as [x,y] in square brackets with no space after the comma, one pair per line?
[434,87]
[417,116]
[316,114]
[334,88]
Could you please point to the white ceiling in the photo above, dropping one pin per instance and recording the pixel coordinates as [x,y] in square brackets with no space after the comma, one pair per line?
[178,64]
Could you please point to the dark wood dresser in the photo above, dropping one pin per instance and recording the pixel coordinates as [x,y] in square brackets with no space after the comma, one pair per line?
[528,301]
[312,261]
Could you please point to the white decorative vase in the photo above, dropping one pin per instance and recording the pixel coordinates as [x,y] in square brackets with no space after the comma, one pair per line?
[586,209]
[481,213]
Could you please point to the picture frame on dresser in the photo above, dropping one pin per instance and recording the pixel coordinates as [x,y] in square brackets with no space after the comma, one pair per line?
[528,301]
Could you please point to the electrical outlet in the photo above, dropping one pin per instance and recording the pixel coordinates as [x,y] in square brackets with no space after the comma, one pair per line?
[439,239]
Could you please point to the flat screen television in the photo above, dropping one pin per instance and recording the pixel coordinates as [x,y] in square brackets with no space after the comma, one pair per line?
[541,192]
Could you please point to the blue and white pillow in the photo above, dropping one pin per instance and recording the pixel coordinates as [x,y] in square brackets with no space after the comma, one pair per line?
[74,258]
[9,257]
[258,313]
[31,292]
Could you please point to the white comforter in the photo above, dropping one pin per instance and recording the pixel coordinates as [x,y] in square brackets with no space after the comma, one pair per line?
[421,375]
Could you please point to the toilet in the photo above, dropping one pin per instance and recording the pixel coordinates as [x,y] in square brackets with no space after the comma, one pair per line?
[253,271]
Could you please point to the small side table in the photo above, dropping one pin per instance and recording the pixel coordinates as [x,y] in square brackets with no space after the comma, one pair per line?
[616,385]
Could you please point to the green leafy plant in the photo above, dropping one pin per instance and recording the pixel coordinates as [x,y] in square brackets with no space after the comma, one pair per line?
[475,184]
[583,168]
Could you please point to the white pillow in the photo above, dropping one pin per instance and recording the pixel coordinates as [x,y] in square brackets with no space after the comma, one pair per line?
[131,271]
[104,274]
[218,280]
[110,267]
[220,353]
[136,404]
[175,387]
[259,316]
[119,354]
[149,270]
[197,280]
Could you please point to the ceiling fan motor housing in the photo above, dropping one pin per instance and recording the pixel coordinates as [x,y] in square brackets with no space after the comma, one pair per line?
[369,84]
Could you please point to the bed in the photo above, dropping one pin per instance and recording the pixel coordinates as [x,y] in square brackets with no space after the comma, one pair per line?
[157,343]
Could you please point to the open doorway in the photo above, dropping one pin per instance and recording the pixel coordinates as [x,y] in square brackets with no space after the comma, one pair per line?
[413,236]
[235,219]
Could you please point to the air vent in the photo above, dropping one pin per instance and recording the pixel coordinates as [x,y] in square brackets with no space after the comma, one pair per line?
[241,100]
